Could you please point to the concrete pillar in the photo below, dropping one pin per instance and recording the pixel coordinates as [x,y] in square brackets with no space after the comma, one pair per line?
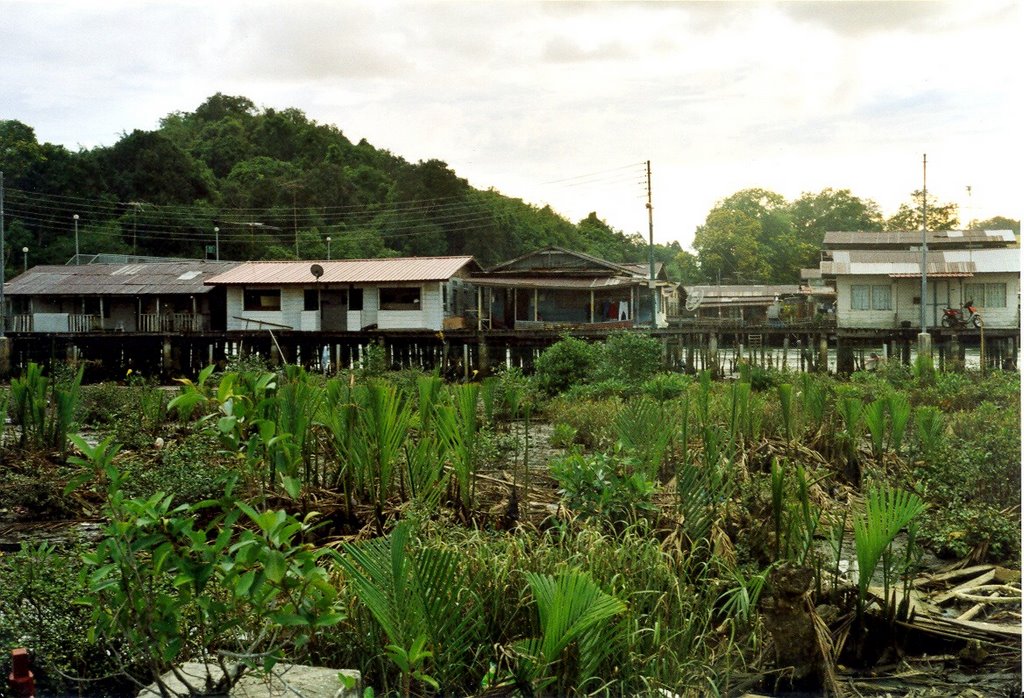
[713,354]
[823,355]
[785,353]
[924,343]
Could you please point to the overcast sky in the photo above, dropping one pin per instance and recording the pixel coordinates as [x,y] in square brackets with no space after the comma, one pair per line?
[561,103]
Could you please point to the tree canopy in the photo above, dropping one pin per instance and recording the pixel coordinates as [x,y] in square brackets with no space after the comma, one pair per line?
[276,184]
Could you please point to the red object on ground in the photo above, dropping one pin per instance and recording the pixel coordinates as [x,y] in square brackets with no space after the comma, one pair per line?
[21,680]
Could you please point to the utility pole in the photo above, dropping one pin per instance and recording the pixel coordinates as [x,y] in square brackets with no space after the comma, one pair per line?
[3,303]
[650,252]
[924,245]
[924,340]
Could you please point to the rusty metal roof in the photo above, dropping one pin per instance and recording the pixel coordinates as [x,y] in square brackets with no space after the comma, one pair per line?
[346,271]
[163,278]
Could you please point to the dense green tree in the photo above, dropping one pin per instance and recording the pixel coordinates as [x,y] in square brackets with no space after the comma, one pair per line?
[757,224]
[911,216]
[998,223]
[833,210]
[729,248]
[147,166]
[21,152]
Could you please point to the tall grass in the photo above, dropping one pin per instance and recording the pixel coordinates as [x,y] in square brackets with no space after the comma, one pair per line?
[45,409]
[458,428]
[930,428]
[887,512]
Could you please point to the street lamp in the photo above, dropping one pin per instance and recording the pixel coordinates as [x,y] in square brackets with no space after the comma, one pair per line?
[328,247]
[216,242]
[76,239]
[24,259]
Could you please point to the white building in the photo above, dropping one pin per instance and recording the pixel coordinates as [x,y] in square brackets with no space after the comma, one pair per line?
[348,295]
[881,288]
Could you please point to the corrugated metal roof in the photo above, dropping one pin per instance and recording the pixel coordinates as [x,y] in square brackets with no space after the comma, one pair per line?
[770,290]
[989,261]
[568,282]
[579,262]
[912,238]
[345,271]
[904,263]
[162,278]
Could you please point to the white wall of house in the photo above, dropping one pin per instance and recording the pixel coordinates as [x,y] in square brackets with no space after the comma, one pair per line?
[847,315]
[429,316]
[290,314]
[941,292]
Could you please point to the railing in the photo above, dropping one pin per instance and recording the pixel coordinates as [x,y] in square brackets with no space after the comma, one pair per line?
[171,322]
[81,322]
[20,323]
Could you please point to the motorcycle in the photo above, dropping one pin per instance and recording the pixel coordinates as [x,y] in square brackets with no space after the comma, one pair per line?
[956,317]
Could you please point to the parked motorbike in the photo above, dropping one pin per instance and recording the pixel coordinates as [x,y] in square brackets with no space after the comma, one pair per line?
[959,318]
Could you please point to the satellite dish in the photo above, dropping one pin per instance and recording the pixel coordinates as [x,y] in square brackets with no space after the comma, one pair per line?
[694,298]
[317,271]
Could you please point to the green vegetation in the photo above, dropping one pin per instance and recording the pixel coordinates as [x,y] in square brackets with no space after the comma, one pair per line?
[415,531]
[277,184]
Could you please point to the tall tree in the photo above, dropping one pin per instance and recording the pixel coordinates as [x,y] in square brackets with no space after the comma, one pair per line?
[729,248]
[998,223]
[762,216]
[911,216]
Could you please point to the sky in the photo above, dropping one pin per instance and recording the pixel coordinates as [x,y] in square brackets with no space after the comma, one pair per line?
[563,103]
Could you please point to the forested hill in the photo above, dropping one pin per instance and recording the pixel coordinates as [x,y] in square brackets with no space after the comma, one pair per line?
[277,185]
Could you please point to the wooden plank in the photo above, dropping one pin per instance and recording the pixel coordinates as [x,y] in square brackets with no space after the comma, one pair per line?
[929,579]
[981,580]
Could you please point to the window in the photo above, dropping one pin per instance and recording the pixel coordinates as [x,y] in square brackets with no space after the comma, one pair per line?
[400,298]
[864,297]
[311,299]
[995,295]
[261,299]
[986,295]
[860,297]
[881,298]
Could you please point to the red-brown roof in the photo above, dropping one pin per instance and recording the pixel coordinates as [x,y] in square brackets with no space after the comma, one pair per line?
[346,271]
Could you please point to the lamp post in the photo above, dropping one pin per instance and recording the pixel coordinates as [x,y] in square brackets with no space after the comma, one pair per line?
[328,247]
[216,242]
[24,259]
[76,239]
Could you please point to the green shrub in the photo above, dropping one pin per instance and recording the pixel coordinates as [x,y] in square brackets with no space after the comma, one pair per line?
[38,589]
[563,435]
[191,468]
[630,357]
[666,386]
[605,488]
[565,363]
[601,390]
[593,420]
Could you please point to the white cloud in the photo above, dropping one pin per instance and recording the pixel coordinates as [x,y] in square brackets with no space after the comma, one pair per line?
[791,97]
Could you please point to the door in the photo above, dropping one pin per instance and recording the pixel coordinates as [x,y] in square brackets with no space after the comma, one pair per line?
[334,310]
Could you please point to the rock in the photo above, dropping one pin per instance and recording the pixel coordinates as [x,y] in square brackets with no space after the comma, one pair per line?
[285,680]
